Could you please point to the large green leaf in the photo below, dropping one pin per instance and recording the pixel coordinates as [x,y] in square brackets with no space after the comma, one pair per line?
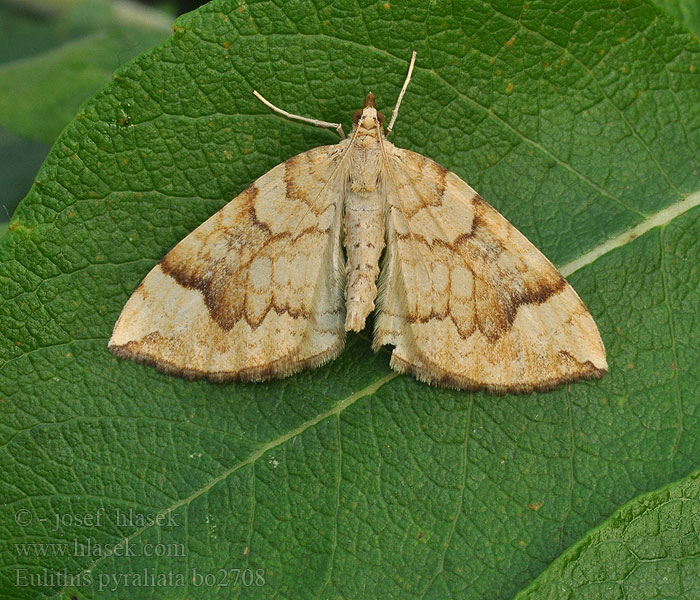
[650,548]
[579,122]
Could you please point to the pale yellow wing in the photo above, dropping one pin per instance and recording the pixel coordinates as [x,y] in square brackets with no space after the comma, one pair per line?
[466,299]
[256,291]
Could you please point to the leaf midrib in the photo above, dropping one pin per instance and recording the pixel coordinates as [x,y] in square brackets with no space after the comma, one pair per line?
[658,219]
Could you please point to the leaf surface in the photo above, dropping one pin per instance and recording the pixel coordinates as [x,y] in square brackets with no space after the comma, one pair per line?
[580,123]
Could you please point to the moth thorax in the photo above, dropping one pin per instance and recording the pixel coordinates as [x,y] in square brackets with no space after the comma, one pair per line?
[365,165]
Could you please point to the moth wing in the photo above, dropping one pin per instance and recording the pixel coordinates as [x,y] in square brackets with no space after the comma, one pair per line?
[466,299]
[253,293]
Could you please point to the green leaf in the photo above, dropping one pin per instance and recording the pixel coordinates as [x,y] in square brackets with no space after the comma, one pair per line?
[649,548]
[579,122]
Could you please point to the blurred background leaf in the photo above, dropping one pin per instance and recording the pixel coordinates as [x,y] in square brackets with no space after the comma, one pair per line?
[54,54]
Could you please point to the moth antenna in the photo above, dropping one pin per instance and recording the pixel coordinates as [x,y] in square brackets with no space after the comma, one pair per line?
[317,122]
[395,112]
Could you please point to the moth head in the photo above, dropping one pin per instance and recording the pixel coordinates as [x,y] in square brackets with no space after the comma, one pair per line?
[368,117]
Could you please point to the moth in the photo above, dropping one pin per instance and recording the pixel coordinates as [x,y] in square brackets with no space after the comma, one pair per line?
[271,283]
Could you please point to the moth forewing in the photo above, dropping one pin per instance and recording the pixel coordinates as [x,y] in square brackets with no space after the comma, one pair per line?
[248,294]
[494,311]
